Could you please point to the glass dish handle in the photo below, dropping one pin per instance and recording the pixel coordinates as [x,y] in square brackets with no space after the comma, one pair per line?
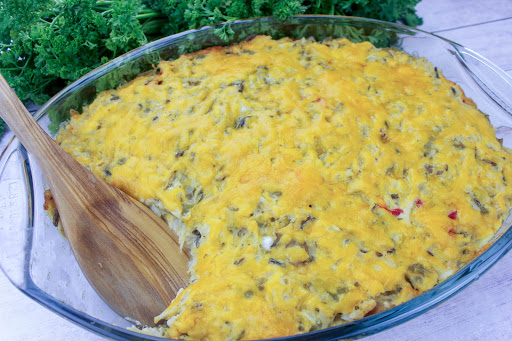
[15,213]
[496,83]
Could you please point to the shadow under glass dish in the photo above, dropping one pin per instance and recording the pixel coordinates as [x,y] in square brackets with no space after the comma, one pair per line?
[38,260]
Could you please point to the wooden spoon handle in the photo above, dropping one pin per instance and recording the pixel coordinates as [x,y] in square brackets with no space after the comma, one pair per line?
[128,254]
[31,135]
[61,171]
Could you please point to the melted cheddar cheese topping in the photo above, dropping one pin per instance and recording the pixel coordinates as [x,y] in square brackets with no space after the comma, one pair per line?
[314,182]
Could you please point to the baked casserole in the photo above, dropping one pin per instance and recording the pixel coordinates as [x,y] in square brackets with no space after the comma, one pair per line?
[314,182]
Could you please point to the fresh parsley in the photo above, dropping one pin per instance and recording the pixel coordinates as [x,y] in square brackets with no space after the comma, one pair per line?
[47,44]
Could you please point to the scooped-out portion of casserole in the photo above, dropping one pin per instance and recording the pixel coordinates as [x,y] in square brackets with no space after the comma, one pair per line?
[315,182]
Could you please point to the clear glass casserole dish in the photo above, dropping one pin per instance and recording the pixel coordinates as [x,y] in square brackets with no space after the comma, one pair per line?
[39,261]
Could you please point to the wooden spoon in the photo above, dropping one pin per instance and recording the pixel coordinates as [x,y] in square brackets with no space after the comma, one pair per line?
[129,255]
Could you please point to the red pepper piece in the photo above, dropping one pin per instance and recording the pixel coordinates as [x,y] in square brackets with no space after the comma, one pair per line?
[158,74]
[419,203]
[396,211]
[453,215]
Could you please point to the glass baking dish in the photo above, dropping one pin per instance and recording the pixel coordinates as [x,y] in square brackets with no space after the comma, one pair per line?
[38,260]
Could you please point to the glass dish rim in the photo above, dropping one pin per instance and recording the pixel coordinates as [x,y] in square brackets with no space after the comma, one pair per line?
[130,55]
[362,327]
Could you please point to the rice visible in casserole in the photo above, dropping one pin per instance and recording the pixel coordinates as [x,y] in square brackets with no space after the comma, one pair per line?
[314,182]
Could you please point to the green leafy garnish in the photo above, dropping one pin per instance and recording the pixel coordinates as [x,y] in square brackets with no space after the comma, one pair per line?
[47,44]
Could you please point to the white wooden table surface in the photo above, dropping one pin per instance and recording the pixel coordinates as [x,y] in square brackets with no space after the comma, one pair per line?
[482,311]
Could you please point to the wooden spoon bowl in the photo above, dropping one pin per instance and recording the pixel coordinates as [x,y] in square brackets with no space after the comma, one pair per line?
[129,255]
